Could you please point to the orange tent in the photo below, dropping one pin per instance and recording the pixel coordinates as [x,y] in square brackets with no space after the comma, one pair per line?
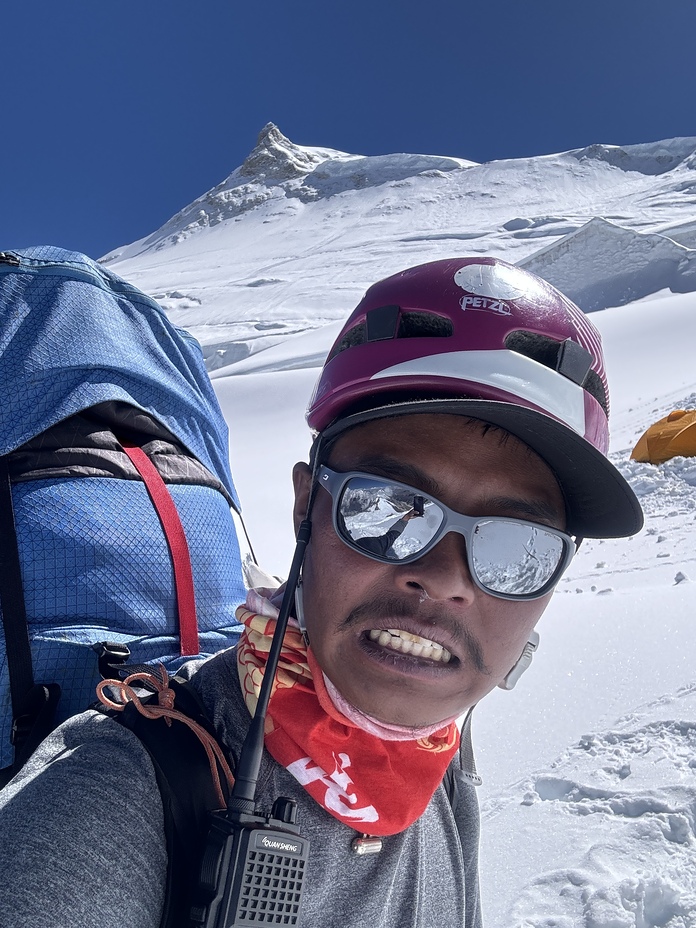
[672,436]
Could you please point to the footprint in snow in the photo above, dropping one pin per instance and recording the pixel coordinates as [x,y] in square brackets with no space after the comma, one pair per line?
[632,853]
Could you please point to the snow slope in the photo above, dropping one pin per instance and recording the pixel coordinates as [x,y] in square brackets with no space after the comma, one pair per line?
[589,766]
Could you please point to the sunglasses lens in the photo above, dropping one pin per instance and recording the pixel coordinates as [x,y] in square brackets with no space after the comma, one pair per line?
[515,558]
[387,521]
[395,523]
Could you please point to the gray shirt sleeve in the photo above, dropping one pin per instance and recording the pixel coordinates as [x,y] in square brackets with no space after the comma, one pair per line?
[81,833]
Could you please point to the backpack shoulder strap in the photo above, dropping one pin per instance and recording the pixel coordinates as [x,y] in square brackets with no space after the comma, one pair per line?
[462,763]
[460,781]
[186,787]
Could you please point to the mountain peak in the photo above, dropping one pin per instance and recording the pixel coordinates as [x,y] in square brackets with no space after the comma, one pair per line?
[277,157]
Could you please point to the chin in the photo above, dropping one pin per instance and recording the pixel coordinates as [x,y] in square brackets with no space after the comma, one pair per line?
[397,716]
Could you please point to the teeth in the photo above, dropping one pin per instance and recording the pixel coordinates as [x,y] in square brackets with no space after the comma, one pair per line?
[408,643]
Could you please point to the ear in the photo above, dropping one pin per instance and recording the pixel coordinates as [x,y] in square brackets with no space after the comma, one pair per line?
[302,482]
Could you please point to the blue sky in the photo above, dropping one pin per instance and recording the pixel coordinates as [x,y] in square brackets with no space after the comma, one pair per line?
[118,114]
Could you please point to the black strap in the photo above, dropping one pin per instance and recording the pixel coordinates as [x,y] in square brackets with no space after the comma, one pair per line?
[34,722]
[448,783]
[14,615]
[33,704]
[187,791]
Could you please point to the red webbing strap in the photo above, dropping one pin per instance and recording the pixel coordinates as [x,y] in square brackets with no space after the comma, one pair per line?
[178,547]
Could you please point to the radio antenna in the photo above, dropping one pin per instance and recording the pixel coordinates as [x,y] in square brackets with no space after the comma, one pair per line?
[247,773]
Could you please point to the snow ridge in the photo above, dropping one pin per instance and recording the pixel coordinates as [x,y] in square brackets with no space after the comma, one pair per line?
[650,158]
[604,264]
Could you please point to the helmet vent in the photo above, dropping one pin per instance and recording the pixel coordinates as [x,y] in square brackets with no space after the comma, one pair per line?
[386,322]
[353,337]
[568,358]
[418,324]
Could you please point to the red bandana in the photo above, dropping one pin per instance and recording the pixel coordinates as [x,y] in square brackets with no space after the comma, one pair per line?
[374,786]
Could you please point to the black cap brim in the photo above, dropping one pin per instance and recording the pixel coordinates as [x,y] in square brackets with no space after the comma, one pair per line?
[600,502]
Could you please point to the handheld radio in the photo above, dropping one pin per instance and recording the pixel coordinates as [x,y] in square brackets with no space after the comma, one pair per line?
[253,866]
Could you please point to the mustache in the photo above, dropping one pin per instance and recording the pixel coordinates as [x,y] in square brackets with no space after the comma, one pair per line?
[387,607]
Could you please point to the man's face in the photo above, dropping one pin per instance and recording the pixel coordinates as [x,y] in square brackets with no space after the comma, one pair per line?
[348,597]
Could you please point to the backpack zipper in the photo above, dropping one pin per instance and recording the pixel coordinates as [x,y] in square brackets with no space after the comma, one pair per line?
[128,290]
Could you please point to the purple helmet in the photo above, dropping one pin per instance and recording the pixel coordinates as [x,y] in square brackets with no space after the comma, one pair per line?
[482,338]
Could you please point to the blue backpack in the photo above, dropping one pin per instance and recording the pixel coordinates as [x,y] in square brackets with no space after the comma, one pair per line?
[118,514]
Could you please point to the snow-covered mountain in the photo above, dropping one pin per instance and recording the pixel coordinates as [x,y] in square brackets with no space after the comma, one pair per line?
[290,240]
[589,766]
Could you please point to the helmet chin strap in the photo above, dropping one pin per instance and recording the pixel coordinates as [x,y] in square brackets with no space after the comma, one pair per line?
[523,661]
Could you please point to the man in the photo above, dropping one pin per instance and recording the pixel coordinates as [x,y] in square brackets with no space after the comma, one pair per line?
[465,403]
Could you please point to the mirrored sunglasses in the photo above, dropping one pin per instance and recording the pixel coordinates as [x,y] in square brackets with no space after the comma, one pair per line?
[394,523]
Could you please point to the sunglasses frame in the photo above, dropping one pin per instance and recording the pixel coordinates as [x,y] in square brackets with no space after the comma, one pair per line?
[335,482]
